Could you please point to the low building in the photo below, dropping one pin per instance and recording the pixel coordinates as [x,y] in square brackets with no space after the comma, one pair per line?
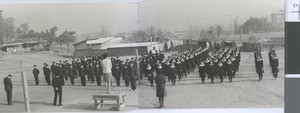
[127,49]
[94,46]
[98,43]
[24,45]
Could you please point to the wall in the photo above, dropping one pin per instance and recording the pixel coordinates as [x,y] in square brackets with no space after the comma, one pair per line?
[80,46]
[181,48]
[88,52]
[249,47]
[126,51]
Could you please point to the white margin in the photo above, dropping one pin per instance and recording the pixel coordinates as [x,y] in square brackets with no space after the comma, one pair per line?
[292,75]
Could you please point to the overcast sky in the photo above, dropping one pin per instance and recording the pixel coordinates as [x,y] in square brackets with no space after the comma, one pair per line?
[82,18]
[179,14]
[120,17]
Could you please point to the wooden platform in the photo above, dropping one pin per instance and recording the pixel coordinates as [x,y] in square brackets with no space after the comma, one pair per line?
[120,98]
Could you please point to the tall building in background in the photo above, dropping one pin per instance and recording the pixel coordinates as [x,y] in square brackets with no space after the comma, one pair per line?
[277,20]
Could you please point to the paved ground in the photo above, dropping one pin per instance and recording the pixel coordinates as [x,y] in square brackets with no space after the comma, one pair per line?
[244,92]
[75,98]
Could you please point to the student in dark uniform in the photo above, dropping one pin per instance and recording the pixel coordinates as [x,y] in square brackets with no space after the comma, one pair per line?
[149,73]
[71,75]
[229,71]
[126,73]
[172,73]
[167,69]
[53,69]
[132,77]
[178,69]
[47,73]
[91,72]
[61,74]
[57,86]
[220,70]
[36,73]
[98,73]
[160,89]
[211,73]
[118,73]
[201,71]
[82,75]
[75,68]
[274,67]
[8,88]
[259,68]
[160,69]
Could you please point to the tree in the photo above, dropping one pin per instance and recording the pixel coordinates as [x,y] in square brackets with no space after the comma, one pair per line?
[67,37]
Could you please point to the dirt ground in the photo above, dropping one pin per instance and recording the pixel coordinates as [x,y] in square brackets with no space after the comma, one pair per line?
[244,92]
[75,98]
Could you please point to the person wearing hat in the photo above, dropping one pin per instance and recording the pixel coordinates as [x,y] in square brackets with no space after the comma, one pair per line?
[53,69]
[8,88]
[149,73]
[160,88]
[47,73]
[126,73]
[36,73]
[202,71]
[57,84]
[259,68]
[229,70]
[132,76]
[274,67]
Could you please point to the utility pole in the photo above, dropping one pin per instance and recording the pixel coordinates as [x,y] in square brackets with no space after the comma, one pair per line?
[137,64]
[25,91]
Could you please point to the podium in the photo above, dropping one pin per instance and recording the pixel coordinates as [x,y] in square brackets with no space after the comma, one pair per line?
[119,98]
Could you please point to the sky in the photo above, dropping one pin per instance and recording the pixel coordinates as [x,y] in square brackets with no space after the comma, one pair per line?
[116,17]
[82,18]
[179,14]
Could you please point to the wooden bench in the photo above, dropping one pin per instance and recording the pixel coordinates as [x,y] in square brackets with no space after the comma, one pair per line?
[116,97]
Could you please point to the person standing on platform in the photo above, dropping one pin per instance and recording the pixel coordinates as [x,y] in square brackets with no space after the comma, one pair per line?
[8,88]
[107,66]
[36,73]
[160,89]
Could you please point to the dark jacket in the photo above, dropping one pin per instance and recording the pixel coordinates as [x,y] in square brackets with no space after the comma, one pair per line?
[57,83]
[7,84]
[160,86]
[36,72]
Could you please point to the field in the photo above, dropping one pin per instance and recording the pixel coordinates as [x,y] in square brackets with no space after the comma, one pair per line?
[245,91]
[75,98]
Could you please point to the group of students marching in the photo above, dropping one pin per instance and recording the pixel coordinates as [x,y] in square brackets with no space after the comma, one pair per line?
[212,64]
[273,61]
